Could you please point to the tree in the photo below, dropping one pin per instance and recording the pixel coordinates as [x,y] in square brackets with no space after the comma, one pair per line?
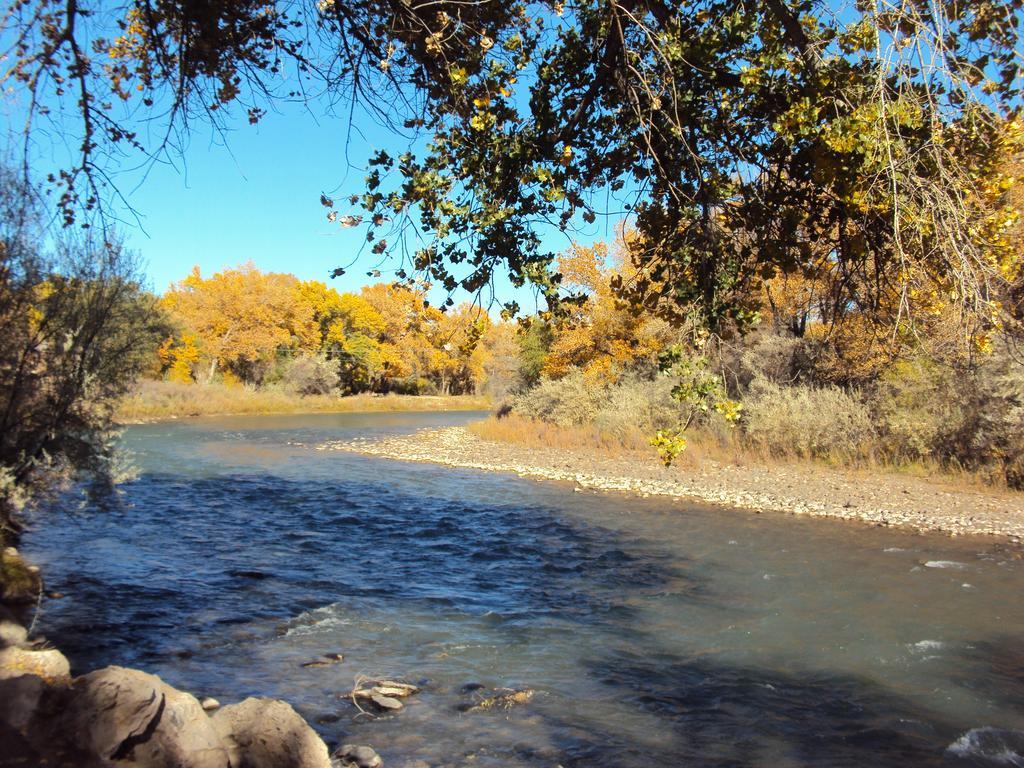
[601,335]
[354,338]
[737,135]
[76,329]
[243,317]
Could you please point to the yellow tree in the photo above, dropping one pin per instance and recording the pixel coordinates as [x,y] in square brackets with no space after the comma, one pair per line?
[179,357]
[354,338]
[459,356]
[242,317]
[405,337]
[602,336]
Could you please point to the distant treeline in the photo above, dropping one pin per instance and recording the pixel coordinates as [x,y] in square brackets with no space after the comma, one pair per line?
[268,329]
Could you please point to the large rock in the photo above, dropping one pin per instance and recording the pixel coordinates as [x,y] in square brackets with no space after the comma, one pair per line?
[19,699]
[49,664]
[266,733]
[126,715]
[11,633]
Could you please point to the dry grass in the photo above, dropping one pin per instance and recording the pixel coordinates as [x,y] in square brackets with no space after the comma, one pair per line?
[542,434]
[154,400]
[623,443]
[728,448]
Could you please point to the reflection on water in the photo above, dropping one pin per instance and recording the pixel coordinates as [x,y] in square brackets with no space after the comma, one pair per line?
[655,633]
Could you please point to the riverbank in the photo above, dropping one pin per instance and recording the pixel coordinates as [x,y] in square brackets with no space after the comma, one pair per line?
[876,498]
[160,400]
[127,717]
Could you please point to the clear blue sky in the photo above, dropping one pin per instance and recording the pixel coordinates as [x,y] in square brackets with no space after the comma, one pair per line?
[254,195]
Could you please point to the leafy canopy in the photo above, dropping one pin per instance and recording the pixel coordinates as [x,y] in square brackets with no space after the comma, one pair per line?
[743,138]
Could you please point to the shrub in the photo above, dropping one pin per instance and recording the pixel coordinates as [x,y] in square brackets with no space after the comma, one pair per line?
[639,405]
[918,409]
[991,432]
[75,331]
[764,356]
[572,399]
[310,375]
[819,422]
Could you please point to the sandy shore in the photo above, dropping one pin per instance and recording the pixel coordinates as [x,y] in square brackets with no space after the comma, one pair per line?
[876,498]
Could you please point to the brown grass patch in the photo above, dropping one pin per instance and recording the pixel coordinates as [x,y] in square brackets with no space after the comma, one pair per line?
[153,400]
[633,444]
[726,448]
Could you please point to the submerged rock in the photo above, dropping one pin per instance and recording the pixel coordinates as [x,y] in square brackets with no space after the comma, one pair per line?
[266,733]
[327,660]
[386,702]
[504,698]
[356,756]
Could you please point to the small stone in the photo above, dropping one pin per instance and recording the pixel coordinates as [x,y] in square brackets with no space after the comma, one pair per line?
[326,661]
[407,688]
[10,552]
[357,756]
[386,702]
[209,704]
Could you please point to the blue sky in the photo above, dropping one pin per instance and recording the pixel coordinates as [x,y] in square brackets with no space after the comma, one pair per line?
[253,195]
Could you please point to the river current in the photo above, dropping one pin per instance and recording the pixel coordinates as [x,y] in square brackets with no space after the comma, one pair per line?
[652,632]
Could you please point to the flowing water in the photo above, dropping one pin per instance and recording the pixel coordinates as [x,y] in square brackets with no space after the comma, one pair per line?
[653,632]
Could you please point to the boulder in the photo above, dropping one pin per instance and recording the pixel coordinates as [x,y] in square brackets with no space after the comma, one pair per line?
[267,733]
[126,715]
[19,699]
[356,756]
[184,737]
[48,664]
[15,749]
[12,633]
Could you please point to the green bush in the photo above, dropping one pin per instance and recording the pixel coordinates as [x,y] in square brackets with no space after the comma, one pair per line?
[919,409]
[76,329]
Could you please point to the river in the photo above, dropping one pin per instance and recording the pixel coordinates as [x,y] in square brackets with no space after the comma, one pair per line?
[653,632]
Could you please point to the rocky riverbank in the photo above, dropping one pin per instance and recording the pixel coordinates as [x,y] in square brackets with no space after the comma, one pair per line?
[126,718]
[876,498]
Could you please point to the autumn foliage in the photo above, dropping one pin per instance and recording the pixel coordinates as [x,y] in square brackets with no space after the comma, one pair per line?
[245,326]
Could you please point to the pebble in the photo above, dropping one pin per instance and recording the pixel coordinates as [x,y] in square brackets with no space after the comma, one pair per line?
[357,755]
[455,446]
[210,704]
